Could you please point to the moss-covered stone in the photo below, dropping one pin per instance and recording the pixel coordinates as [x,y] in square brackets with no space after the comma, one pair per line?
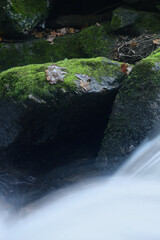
[90,42]
[123,17]
[19,82]
[136,111]
[19,17]
[97,41]
[35,114]
[40,51]
[135,21]
[148,22]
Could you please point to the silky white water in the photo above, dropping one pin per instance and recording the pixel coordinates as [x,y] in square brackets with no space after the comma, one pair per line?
[124,207]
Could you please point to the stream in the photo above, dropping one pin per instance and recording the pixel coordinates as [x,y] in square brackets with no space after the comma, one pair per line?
[121,207]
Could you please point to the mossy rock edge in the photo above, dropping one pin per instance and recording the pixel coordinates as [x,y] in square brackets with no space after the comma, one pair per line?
[136,111]
[34,113]
[20,17]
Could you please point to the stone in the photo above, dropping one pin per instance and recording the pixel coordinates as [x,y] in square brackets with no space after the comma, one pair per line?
[19,17]
[79,45]
[123,18]
[35,113]
[136,111]
[135,22]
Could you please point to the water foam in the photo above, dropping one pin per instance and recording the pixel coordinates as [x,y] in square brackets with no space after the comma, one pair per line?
[124,207]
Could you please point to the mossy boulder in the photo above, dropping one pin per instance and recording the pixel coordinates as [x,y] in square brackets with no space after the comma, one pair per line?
[148,22]
[39,51]
[123,18]
[135,112]
[90,42]
[34,112]
[19,17]
[97,41]
[135,22]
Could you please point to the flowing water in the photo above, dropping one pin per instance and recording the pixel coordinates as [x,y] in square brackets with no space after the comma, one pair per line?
[123,207]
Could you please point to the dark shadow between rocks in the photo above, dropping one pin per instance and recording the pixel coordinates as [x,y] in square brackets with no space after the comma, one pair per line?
[52,139]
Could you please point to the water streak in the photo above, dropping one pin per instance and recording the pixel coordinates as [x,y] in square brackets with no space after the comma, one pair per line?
[124,207]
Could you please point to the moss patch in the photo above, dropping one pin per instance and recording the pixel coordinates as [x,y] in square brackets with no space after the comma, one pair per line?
[19,82]
[97,41]
[90,42]
[136,110]
[40,51]
[149,22]
[19,17]
[28,8]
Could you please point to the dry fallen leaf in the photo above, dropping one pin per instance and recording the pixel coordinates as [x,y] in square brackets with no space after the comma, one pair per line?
[84,85]
[156,41]
[133,44]
[129,69]
[71,30]
[54,74]
[63,31]
[1,39]
[50,39]
[84,81]
[124,67]
[98,24]
[53,33]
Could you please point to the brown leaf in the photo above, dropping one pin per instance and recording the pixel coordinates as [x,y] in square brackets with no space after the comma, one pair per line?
[50,39]
[156,41]
[63,31]
[71,30]
[133,44]
[53,33]
[98,24]
[1,39]
[124,67]
[84,85]
[54,74]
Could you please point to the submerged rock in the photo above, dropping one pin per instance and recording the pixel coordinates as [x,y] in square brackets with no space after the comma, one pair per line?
[20,17]
[34,113]
[135,112]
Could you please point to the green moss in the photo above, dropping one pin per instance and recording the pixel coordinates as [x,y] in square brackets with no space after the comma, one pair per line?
[149,22]
[29,7]
[21,16]
[95,67]
[123,17]
[19,82]
[90,42]
[40,51]
[116,22]
[136,109]
[97,41]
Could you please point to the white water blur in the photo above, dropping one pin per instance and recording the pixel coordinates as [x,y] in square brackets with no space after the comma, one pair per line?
[124,207]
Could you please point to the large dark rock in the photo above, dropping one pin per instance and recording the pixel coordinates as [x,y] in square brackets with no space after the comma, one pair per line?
[131,22]
[20,17]
[34,113]
[136,111]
